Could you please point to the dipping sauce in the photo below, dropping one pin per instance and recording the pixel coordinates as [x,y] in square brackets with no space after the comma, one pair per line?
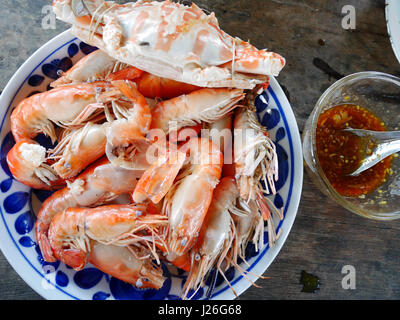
[340,153]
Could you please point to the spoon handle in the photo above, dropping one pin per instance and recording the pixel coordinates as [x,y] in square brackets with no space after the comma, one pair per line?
[382,151]
[377,136]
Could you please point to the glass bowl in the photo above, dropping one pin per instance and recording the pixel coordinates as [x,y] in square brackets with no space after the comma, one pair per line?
[380,94]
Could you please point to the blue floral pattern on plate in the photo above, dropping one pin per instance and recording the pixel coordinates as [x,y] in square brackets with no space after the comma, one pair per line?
[20,203]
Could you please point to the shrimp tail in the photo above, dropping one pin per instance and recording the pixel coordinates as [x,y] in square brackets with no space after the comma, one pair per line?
[74,258]
[45,248]
[158,179]
[125,263]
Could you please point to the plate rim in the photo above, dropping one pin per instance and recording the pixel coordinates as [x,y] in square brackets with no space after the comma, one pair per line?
[393,28]
[17,262]
[9,94]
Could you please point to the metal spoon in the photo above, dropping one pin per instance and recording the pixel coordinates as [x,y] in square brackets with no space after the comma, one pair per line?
[386,143]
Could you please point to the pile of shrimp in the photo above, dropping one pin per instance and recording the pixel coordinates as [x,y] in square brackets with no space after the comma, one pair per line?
[155,160]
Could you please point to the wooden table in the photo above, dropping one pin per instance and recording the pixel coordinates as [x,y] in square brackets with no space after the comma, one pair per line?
[325,237]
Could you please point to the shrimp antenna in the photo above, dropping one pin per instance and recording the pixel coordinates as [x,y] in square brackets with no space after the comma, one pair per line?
[227,281]
[213,283]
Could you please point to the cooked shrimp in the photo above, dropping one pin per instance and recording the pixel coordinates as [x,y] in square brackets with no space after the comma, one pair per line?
[256,160]
[38,114]
[158,179]
[223,234]
[204,105]
[170,40]
[96,66]
[185,134]
[71,107]
[78,149]
[249,228]
[126,136]
[220,133]
[215,237]
[129,264]
[153,87]
[99,66]
[72,230]
[98,184]
[255,155]
[187,202]
[61,106]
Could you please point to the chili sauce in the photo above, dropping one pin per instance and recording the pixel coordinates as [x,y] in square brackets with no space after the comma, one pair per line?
[340,153]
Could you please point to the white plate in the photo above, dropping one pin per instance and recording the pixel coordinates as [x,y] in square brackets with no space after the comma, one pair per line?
[18,202]
[393,25]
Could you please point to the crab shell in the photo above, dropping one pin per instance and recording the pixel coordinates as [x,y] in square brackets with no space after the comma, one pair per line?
[170,40]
